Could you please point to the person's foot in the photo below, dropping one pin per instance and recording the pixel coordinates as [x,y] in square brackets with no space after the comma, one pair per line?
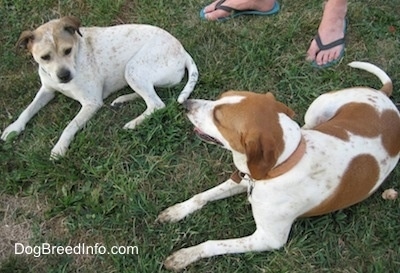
[212,14]
[331,29]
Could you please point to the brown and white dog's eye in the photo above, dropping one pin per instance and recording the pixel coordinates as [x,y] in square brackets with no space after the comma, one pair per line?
[67,51]
[46,57]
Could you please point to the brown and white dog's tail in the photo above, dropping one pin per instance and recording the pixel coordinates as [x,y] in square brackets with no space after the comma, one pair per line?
[387,87]
[193,75]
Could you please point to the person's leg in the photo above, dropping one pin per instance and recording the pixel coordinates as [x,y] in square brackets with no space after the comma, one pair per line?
[213,14]
[331,28]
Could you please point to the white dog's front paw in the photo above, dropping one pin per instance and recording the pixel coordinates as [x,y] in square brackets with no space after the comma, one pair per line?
[182,258]
[124,98]
[13,128]
[58,151]
[133,123]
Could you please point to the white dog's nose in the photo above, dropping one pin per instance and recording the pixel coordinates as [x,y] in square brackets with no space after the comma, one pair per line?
[64,75]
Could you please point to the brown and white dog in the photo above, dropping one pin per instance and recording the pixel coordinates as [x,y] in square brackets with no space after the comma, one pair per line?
[349,144]
[88,64]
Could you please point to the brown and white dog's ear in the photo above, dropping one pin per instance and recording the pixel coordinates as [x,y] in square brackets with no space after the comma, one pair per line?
[261,152]
[71,24]
[25,40]
[282,108]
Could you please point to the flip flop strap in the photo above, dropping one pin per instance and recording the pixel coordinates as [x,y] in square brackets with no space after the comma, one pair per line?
[321,46]
[225,8]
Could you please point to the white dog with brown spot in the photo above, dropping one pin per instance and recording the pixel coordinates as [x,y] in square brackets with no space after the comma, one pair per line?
[347,147]
[87,64]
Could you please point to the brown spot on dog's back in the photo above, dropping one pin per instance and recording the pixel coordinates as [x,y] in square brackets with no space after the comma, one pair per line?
[390,129]
[357,182]
[358,118]
[364,120]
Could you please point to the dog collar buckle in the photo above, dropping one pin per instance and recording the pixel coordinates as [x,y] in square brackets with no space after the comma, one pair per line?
[238,176]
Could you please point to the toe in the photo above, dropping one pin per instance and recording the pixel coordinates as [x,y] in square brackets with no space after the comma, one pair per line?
[323,58]
[216,14]
[212,14]
[319,59]
[312,51]
[326,56]
[210,7]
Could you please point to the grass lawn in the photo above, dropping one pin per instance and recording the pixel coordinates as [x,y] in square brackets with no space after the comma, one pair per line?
[112,183]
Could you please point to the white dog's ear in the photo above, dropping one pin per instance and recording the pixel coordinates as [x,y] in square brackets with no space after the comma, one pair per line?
[71,24]
[25,40]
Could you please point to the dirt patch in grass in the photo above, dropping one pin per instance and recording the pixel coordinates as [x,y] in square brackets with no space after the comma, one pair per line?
[23,220]
[17,217]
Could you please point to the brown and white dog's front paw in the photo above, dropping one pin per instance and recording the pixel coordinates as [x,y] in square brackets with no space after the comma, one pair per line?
[172,214]
[180,210]
[167,215]
[180,259]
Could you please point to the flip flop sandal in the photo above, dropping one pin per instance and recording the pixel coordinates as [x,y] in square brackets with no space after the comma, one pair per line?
[235,13]
[322,47]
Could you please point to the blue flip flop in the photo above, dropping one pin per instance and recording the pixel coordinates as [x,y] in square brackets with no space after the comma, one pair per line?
[235,13]
[321,47]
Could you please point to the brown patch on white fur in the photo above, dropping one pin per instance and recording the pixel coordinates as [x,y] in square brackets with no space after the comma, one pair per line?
[66,25]
[353,118]
[261,139]
[390,130]
[363,120]
[357,182]
[25,40]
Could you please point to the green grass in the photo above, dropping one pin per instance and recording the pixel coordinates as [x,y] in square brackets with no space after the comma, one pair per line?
[113,183]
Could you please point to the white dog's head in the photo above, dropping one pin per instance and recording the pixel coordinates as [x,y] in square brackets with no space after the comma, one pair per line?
[245,123]
[53,45]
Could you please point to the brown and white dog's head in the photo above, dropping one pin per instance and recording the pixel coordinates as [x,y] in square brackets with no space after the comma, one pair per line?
[53,45]
[246,123]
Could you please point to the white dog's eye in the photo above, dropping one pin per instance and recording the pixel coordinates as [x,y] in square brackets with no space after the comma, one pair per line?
[46,57]
[67,51]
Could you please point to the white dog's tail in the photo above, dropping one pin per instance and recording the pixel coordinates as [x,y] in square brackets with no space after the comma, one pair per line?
[387,87]
[193,75]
